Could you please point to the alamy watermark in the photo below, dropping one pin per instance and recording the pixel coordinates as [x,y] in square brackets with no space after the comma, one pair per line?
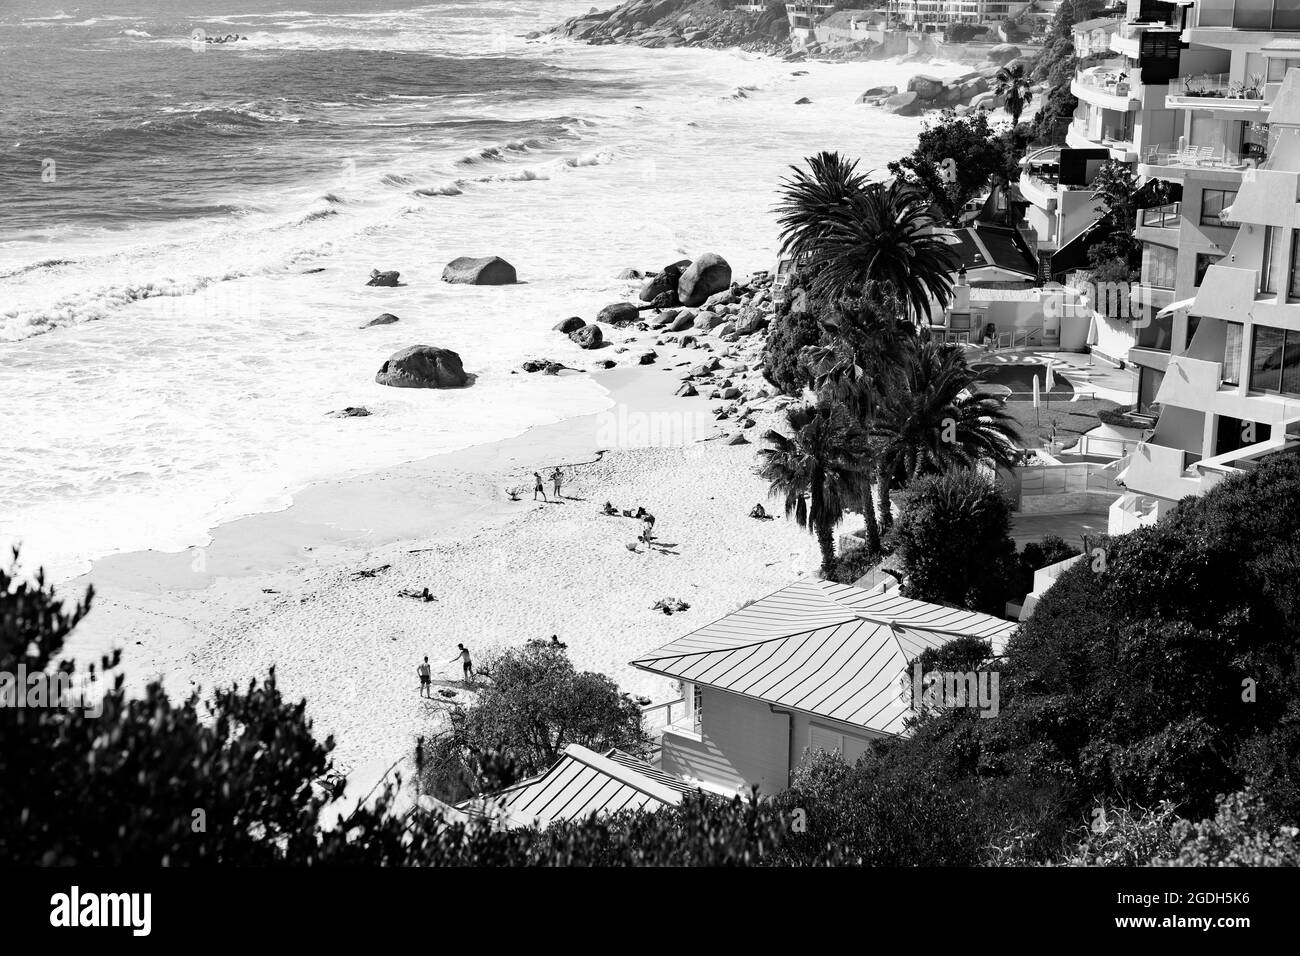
[39,689]
[928,691]
[622,428]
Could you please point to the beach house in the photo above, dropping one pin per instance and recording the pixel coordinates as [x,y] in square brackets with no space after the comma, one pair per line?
[815,665]
[582,783]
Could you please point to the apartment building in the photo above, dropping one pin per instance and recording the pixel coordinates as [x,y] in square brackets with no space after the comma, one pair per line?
[940,13]
[1230,390]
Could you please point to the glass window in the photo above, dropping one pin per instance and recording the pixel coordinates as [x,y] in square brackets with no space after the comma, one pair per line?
[1232,353]
[1252,14]
[697,707]
[1149,380]
[1203,261]
[1266,282]
[1266,358]
[1159,265]
[1157,334]
[1213,202]
[1277,66]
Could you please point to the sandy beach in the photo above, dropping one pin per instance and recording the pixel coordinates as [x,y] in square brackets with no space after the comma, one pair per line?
[285,589]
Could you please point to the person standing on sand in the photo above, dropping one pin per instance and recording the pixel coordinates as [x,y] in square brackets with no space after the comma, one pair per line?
[556,477]
[426,680]
[648,527]
[538,487]
[465,662]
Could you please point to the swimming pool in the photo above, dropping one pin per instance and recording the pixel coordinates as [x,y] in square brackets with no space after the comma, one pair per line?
[1018,380]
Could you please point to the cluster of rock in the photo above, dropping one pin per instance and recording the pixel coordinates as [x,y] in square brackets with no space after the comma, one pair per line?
[673,23]
[970,91]
[858,50]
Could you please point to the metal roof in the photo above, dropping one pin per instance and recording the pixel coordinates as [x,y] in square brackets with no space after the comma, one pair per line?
[827,649]
[582,783]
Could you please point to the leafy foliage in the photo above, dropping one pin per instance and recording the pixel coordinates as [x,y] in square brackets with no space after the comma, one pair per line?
[966,145]
[817,470]
[953,542]
[851,232]
[534,705]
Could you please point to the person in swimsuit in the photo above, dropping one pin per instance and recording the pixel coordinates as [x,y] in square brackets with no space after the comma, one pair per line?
[557,476]
[538,487]
[465,662]
[648,525]
[426,680]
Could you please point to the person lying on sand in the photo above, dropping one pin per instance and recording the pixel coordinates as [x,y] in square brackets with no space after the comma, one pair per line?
[760,513]
[556,642]
[538,487]
[426,678]
[609,509]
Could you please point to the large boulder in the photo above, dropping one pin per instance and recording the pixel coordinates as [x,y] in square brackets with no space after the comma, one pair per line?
[490,270]
[1003,53]
[682,322]
[386,318]
[571,324]
[926,87]
[588,337]
[751,322]
[904,104]
[620,313]
[423,366]
[708,274]
[383,278]
[877,92]
[707,320]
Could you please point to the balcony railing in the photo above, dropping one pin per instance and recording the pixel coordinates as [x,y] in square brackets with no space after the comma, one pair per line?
[1163,217]
[1115,82]
[1219,86]
[1200,157]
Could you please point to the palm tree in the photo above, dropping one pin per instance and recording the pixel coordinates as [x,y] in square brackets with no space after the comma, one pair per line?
[854,232]
[818,469]
[868,348]
[940,421]
[1013,84]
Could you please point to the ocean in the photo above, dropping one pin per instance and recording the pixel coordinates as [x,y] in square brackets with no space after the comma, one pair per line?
[186,230]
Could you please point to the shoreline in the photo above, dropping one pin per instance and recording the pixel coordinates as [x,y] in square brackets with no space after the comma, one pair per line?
[284,588]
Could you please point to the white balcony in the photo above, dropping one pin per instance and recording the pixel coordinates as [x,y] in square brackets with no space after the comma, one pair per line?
[1162,471]
[1108,87]
[1220,93]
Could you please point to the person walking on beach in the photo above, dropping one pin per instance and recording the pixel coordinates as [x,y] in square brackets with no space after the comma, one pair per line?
[538,487]
[556,477]
[465,662]
[648,527]
[426,679]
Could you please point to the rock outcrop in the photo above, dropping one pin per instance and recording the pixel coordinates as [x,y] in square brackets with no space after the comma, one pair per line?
[385,318]
[423,366]
[620,313]
[489,270]
[588,337]
[383,278]
[569,325]
[707,275]
[674,23]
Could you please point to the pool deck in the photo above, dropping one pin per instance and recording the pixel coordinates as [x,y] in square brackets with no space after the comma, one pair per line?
[1090,377]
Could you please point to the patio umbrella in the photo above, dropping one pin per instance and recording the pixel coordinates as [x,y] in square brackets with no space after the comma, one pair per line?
[1049,382]
[1094,334]
[1035,399]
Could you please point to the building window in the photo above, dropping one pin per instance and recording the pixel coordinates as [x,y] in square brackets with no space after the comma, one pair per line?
[1159,265]
[1266,281]
[1232,343]
[1149,380]
[1275,361]
[1163,217]
[1213,202]
[697,707]
[1293,286]
[1203,261]
[1157,334]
